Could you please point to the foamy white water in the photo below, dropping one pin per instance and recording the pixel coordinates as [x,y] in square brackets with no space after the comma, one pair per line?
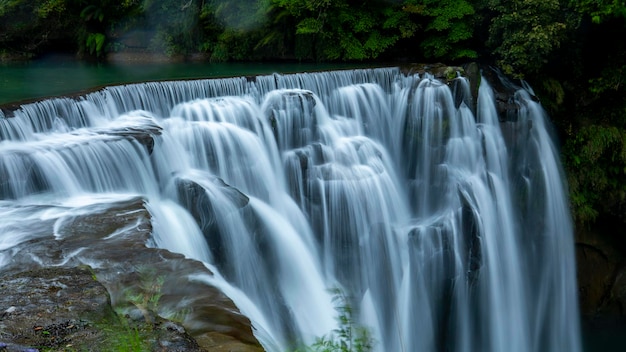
[443,232]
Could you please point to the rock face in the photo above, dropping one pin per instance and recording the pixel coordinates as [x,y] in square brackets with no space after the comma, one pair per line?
[146,296]
[601,277]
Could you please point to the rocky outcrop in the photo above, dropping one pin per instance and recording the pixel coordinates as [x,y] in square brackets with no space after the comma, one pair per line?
[439,71]
[90,272]
[60,309]
[291,114]
[143,132]
[195,199]
[601,277]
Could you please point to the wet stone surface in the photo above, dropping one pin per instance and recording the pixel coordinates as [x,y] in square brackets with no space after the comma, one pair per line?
[93,284]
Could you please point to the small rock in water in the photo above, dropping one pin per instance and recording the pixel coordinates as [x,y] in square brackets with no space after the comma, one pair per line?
[10,310]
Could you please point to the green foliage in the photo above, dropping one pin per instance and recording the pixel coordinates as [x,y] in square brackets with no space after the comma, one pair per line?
[95,43]
[97,20]
[596,164]
[449,24]
[244,15]
[92,12]
[611,79]
[348,337]
[147,295]
[233,44]
[600,10]
[587,101]
[552,95]
[31,27]
[125,338]
[524,33]
[7,6]
[175,23]
[344,30]
[50,7]
[241,30]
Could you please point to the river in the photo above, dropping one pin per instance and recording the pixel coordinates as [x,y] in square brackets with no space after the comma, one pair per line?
[62,75]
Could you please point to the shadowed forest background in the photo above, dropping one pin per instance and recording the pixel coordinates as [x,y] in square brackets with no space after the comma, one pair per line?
[571,52]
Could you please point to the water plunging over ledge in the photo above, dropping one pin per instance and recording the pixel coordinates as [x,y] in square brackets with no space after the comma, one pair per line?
[445,232]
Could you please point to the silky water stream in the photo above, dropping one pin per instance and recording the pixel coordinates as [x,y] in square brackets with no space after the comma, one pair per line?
[446,228]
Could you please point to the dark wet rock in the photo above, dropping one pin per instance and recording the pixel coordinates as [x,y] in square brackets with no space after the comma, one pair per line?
[504,89]
[503,93]
[143,130]
[440,71]
[291,114]
[601,277]
[470,221]
[195,199]
[300,165]
[8,110]
[601,270]
[473,74]
[147,295]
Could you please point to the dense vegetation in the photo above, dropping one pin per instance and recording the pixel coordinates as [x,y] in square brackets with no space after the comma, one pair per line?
[572,53]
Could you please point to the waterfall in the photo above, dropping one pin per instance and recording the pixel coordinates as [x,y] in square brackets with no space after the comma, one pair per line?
[446,228]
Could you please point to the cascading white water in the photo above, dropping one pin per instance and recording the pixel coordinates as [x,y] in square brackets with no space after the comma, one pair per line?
[442,233]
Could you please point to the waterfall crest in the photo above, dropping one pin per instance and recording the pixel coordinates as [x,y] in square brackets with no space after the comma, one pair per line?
[443,232]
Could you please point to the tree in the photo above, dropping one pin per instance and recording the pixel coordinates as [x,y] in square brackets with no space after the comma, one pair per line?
[594,118]
[524,33]
[600,10]
[175,24]
[97,19]
[348,30]
[240,29]
[448,27]
[29,28]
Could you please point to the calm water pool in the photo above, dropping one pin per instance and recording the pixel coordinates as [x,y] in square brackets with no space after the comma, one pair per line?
[56,76]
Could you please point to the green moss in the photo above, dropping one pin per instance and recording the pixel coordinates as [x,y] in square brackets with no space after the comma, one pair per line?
[125,337]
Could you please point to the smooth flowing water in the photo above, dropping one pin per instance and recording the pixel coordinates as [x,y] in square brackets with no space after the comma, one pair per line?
[445,228]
